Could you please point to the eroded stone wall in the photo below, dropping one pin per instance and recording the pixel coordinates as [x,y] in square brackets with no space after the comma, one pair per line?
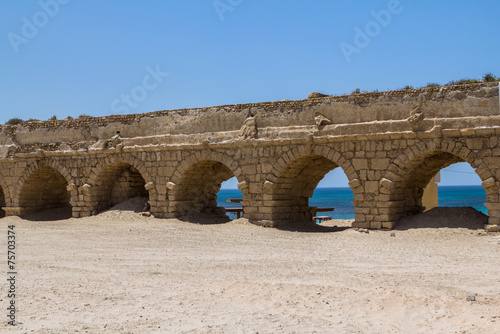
[389,145]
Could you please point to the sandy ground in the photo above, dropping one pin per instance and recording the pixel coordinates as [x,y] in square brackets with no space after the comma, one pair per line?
[120,272]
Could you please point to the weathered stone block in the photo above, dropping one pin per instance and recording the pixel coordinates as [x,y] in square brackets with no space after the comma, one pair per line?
[488,183]
[371,187]
[355,183]
[360,163]
[255,187]
[388,225]
[243,185]
[380,164]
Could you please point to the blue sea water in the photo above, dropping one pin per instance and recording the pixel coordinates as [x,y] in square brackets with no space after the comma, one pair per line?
[222,197]
[224,194]
[456,196]
[341,198]
[338,198]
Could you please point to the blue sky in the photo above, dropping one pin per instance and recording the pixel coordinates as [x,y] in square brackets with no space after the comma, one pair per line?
[74,57]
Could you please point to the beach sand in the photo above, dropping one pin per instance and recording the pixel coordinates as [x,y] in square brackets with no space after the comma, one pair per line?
[120,272]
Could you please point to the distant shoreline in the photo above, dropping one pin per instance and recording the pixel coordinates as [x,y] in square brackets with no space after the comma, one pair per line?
[439,186]
[341,199]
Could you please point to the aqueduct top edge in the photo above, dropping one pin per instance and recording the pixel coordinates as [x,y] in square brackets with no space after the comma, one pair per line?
[401,111]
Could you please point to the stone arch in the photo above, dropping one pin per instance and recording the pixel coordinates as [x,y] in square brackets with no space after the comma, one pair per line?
[199,156]
[115,180]
[43,185]
[408,174]
[319,150]
[296,175]
[128,159]
[61,169]
[197,179]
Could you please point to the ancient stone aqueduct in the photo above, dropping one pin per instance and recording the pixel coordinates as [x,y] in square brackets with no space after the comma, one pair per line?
[389,144]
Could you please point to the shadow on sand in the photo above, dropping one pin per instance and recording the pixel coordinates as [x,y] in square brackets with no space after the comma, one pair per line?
[462,217]
[310,227]
[49,215]
[204,219]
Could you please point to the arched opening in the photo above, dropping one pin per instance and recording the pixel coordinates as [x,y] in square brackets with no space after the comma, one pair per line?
[45,189]
[420,171]
[297,183]
[2,203]
[333,191]
[120,183]
[458,185]
[454,204]
[196,191]
[230,198]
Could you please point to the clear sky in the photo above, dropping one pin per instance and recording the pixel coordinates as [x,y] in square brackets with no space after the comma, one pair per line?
[74,57]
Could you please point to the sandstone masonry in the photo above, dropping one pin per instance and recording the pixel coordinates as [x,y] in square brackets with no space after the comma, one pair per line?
[389,145]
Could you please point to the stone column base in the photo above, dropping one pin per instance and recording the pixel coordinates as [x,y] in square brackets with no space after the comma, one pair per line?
[268,223]
[360,225]
[12,211]
[19,211]
[492,228]
[389,225]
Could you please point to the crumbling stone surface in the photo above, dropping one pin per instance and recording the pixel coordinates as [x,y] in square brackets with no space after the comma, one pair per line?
[278,151]
[315,95]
